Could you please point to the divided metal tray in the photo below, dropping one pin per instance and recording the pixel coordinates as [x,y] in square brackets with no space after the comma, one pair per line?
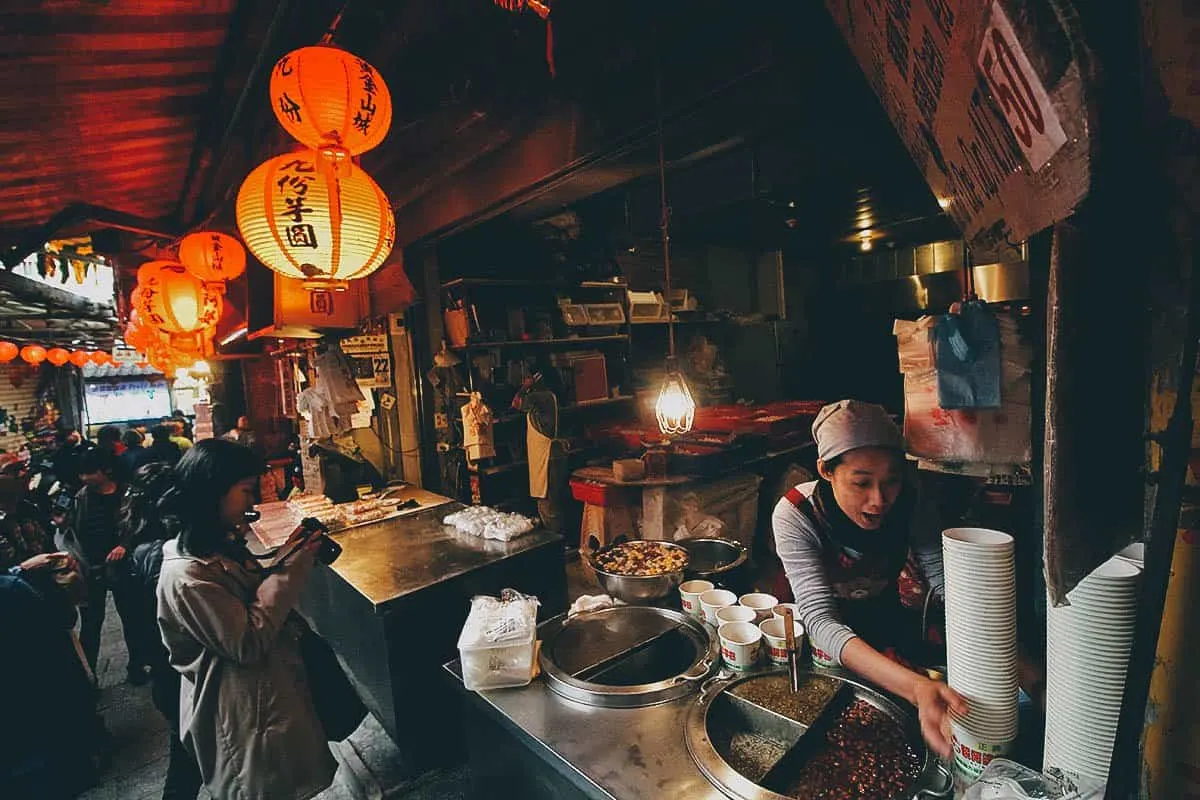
[738,744]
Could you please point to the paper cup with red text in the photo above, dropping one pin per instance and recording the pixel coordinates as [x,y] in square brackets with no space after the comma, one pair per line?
[776,641]
[689,597]
[741,644]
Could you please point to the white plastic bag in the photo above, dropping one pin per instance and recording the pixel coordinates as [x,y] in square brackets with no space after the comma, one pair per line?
[1007,780]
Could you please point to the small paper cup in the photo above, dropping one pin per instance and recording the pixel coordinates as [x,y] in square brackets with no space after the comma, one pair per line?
[714,599]
[761,602]
[777,611]
[774,634]
[741,644]
[734,614]
[689,597]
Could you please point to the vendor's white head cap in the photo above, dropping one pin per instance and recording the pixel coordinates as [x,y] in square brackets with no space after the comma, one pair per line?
[850,424]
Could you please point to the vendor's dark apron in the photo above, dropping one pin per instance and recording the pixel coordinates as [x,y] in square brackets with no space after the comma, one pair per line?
[863,568]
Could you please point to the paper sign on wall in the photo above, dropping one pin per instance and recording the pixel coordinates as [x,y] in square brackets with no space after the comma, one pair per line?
[369,360]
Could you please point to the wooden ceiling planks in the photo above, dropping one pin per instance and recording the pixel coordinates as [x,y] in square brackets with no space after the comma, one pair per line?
[105,102]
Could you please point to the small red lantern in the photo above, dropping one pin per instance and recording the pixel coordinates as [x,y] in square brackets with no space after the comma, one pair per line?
[80,357]
[57,356]
[33,354]
[212,257]
[8,351]
[98,357]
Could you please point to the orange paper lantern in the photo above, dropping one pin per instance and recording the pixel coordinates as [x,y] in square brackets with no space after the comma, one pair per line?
[80,357]
[33,354]
[303,221]
[8,351]
[212,257]
[145,272]
[98,357]
[175,301]
[57,356]
[331,101]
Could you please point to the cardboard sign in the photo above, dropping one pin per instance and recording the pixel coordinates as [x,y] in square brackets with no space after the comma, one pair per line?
[990,107]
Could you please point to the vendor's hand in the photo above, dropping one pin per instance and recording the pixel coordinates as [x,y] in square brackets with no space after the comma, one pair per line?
[116,554]
[936,704]
[43,561]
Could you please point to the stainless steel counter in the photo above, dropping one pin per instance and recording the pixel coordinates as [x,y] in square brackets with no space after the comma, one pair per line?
[393,604]
[387,560]
[608,753]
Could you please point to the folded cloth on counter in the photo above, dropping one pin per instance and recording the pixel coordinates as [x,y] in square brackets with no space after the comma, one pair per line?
[590,602]
[489,523]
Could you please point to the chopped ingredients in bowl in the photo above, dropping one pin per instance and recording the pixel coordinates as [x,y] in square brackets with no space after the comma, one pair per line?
[641,558]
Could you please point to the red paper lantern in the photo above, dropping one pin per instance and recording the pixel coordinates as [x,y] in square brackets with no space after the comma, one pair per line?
[212,257]
[80,357]
[33,354]
[331,100]
[57,356]
[8,351]
[98,357]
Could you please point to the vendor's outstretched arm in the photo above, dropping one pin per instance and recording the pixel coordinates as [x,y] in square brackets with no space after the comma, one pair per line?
[935,701]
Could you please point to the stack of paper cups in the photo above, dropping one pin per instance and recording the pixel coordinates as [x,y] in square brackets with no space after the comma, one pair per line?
[981,642]
[1087,654]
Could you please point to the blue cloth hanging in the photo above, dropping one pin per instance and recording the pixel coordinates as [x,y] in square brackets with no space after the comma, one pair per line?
[967,350]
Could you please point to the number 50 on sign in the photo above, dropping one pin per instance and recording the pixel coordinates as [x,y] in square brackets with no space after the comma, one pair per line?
[1019,92]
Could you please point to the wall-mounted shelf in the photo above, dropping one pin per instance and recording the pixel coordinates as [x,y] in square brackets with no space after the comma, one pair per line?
[568,340]
[460,283]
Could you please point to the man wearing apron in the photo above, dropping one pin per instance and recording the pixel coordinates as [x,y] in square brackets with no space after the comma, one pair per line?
[545,452]
[844,540]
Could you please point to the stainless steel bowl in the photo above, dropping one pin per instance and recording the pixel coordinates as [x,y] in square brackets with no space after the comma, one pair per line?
[711,559]
[638,589]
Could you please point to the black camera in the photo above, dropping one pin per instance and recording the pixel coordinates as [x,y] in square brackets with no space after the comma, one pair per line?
[329,550]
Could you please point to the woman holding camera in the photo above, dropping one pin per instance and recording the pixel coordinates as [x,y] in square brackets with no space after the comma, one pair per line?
[246,711]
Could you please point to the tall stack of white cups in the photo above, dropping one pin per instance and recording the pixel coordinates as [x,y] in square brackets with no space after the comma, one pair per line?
[1087,654]
[981,643]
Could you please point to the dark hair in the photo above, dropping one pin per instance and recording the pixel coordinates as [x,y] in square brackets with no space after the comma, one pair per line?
[208,470]
[94,459]
[108,436]
[131,438]
[141,520]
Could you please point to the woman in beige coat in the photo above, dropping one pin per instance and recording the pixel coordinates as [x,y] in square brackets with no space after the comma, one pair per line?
[246,711]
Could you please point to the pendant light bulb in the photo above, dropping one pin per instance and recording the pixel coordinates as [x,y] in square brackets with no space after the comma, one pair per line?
[675,408]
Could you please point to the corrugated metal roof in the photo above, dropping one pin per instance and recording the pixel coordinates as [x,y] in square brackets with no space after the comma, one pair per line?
[101,102]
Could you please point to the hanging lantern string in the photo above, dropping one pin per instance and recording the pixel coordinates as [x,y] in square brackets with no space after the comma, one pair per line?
[665,223]
[333,26]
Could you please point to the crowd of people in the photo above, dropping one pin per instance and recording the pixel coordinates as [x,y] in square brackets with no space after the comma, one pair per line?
[160,525]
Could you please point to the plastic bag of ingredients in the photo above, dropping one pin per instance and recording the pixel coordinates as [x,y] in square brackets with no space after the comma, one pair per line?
[1007,780]
[488,523]
[497,643]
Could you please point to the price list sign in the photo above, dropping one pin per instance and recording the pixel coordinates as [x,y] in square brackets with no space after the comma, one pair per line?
[990,106]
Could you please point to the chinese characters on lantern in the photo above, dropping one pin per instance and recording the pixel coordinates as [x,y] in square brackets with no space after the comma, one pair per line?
[296,177]
[366,106]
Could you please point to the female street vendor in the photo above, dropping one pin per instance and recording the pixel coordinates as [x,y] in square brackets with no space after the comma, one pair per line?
[844,540]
